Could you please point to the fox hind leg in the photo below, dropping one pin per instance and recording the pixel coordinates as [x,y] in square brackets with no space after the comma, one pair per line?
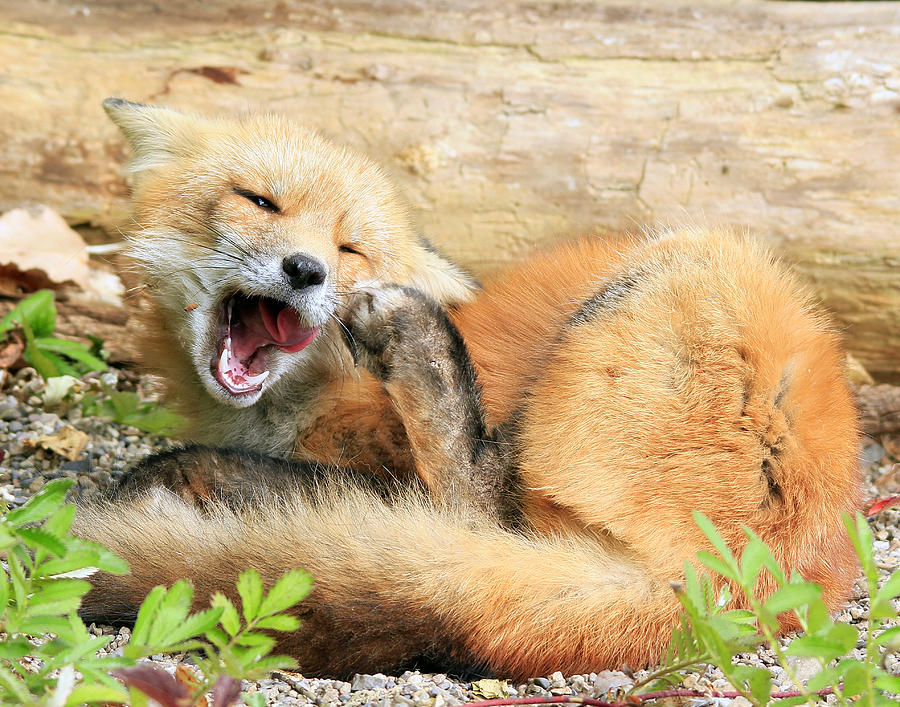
[236,478]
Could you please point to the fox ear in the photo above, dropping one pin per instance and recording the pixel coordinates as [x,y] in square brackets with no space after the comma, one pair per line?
[156,135]
[440,278]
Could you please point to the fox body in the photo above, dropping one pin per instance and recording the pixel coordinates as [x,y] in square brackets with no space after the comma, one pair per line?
[498,476]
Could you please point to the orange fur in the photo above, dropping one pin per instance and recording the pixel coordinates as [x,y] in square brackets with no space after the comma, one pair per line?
[643,378]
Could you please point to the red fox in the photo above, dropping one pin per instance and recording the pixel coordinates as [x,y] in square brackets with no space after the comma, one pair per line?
[497,476]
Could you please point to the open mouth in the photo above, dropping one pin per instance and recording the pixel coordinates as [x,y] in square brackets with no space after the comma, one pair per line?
[249,329]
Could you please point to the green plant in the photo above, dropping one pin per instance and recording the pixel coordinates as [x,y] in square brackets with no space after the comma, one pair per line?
[42,590]
[711,634]
[127,408]
[50,356]
[231,650]
[39,596]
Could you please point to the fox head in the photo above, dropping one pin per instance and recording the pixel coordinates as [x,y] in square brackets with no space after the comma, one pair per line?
[251,231]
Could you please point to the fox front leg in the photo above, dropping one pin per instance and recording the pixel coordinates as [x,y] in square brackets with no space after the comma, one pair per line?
[408,342]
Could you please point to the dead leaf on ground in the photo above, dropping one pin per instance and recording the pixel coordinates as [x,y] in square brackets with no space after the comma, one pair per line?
[11,348]
[41,239]
[187,678]
[68,442]
[156,683]
[489,689]
[14,281]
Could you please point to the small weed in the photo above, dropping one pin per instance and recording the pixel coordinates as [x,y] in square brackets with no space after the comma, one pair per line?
[50,356]
[127,408]
[710,634]
[40,593]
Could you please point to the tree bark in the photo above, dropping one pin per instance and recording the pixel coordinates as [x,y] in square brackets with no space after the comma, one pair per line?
[513,122]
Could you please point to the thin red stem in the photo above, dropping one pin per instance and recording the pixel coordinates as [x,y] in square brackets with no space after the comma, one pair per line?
[631,701]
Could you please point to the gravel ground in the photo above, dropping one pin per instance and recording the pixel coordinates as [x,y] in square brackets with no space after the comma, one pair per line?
[25,468]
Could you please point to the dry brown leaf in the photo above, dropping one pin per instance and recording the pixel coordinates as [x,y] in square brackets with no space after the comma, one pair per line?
[156,683]
[14,282]
[40,239]
[187,678]
[11,348]
[68,442]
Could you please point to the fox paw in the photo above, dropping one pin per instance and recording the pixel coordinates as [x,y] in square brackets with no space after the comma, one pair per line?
[390,327]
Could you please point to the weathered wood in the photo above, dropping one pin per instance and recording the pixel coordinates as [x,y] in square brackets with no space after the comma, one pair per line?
[879,409]
[512,122]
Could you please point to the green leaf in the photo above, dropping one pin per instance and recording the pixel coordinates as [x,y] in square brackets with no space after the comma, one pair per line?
[4,590]
[827,677]
[891,683]
[774,568]
[279,622]
[889,638]
[15,648]
[792,596]
[146,614]
[15,686]
[37,311]
[791,701]
[55,590]
[709,530]
[19,583]
[45,502]
[856,679]
[7,539]
[47,365]
[861,537]
[714,563]
[229,620]
[73,349]
[61,521]
[255,699]
[38,538]
[249,586]
[195,625]
[126,408]
[692,596]
[754,556]
[171,612]
[217,637]
[289,590]
[259,640]
[881,603]
[82,555]
[759,680]
[96,693]
[264,666]
[838,641]
[36,625]
[818,617]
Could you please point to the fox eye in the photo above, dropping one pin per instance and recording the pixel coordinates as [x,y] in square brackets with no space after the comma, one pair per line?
[261,201]
[349,249]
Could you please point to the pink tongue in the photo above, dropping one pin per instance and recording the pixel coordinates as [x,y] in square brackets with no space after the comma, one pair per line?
[260,322]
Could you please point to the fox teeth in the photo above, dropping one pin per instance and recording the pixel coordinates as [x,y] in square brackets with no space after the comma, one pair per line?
[253,380]
[223,359]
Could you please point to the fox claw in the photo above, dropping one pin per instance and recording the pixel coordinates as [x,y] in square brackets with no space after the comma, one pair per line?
[381,321]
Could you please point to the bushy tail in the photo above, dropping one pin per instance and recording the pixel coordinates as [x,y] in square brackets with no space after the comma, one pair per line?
[396,582]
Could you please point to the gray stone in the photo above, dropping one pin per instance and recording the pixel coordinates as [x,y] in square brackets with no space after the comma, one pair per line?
[368,682]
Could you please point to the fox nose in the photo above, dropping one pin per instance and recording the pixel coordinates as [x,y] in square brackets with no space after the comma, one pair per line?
[303,271]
